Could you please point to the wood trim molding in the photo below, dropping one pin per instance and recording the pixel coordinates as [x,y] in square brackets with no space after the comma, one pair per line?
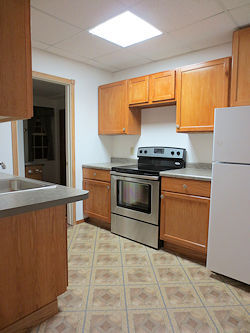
[14,148]
[64,81]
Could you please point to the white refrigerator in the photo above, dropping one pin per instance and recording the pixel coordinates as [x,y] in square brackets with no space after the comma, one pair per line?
[229,221]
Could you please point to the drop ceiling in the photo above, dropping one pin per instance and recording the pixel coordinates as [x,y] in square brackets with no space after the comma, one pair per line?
[61,27]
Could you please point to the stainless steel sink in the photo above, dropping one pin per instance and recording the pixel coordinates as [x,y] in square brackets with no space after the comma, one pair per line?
[19,185]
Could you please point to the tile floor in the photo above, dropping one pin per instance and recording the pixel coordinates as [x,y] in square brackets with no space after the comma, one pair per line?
[116,286]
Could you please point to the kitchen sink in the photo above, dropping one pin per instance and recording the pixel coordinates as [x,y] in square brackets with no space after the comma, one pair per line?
[20,185]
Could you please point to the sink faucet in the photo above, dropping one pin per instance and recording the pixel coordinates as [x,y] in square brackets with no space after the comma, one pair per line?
[3,165]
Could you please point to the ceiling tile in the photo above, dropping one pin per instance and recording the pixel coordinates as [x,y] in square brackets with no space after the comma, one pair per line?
[87,45]
[161,47]
[241,15]
[210,32]
[97,64]
[169,15]
[49,30]
[122,59]
[82,13]
[129,3]
[229,4]
[39,45]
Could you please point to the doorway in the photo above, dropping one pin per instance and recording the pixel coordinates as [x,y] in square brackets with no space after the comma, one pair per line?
[46,142]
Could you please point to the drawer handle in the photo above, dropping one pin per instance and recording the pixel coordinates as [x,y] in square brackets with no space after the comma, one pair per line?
[108,187]
[162,196]
[30,172]
[185,186]
[94,173]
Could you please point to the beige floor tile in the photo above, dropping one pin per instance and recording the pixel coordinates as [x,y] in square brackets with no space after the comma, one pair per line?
[78,259]
[180,295]
[106,322]
[107,276]
[191,321]
[78,276]
[166,274]
[148,321]
[88,236]
[73,299]
[138,275]
[81,246]
[215,294]
[108,246]
[63,322]
[131,247]
[106,298]
[201,274]
[231,319]
[163,258]
[83,227]
[242,292]
[135,259]
[107,236]
[107,259]
[143,297]
[189,262]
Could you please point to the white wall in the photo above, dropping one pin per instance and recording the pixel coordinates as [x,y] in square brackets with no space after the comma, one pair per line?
[6,147]
[158,124]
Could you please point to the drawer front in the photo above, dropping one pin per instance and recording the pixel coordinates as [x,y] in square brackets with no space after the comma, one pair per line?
[96,174]
[186,186]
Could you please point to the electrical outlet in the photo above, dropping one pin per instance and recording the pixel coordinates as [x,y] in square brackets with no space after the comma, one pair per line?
[132,150]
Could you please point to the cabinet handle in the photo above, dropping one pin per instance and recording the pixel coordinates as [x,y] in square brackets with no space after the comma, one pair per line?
[124,129]
[177,126]
[108,187]
[162,196]
[30,172]
[94,173]
[185,186]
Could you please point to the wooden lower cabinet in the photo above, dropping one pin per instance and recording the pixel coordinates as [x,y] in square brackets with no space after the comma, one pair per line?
[33,267]
[98,203]
[185,218]
[34,172]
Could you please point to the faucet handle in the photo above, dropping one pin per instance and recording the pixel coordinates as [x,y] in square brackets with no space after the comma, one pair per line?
[3,165]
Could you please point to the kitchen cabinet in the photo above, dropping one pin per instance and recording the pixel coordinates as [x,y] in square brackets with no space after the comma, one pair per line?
[33,267]
[15,66]
[162,86]
[114,116]
[97,182]
[138,89]
[200,89]
[240,81]
[185,215]
[34,172]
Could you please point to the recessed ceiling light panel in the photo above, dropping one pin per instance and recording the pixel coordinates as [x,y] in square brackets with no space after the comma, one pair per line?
[125,29]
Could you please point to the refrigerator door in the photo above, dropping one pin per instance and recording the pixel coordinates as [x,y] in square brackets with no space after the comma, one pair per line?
[232,135]
[229,222]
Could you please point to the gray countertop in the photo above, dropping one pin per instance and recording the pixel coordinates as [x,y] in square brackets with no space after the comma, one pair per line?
[196,172]
[14,203]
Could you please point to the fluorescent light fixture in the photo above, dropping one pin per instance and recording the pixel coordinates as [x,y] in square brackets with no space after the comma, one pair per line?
[125,29]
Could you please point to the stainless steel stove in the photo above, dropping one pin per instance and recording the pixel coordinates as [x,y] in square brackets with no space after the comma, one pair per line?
[135,193]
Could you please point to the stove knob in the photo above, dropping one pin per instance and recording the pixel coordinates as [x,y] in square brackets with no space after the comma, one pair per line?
[145,151]
[172,152]
[178,153]
[140,151]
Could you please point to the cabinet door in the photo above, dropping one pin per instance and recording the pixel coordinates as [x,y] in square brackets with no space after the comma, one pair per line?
[162,86]
[240,83]
[184,220]
[138,90]
[200,89]
[98,203]
[112,108]
[15,66]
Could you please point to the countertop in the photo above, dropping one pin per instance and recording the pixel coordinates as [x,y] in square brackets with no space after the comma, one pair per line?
[108,165]
[193,171]
[14,203]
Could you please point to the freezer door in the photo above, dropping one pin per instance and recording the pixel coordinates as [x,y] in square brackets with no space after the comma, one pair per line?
[229,222]
[232,135]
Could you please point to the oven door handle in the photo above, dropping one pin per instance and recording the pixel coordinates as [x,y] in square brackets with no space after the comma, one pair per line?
[120,174]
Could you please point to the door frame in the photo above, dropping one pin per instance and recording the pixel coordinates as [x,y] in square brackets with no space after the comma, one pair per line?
[70,134]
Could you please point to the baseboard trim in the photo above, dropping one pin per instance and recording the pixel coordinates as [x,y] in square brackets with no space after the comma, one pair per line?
[33,319]
[80,221]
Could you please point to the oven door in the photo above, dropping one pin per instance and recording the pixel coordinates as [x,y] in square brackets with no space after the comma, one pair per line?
[135,196]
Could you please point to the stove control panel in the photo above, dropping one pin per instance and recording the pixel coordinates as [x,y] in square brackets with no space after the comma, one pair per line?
[164,152]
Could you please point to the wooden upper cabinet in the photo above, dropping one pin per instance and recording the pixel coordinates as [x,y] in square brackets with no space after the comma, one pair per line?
[162,86]
[200,89]
[138,90]
[15,65]
[240,83]
[115,117]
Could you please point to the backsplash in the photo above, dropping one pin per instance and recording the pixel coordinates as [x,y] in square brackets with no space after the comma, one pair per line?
[159,129]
